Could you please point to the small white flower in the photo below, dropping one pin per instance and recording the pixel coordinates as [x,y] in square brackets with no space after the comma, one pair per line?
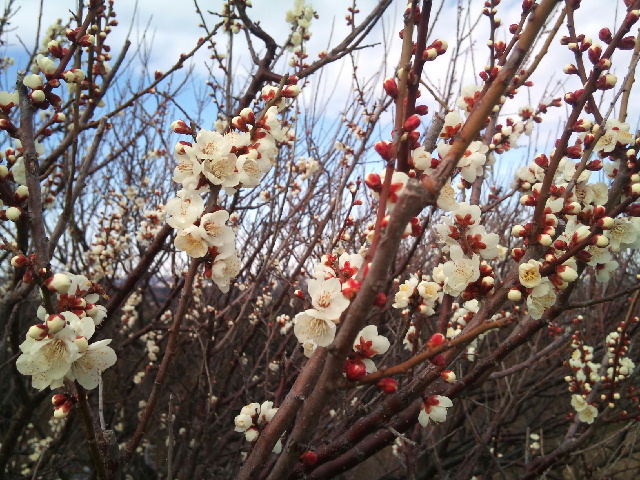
[310,325]
[96,358]
[190,240]
[588,414]
[327,298]
[369,343]
[529,274]
[434,408]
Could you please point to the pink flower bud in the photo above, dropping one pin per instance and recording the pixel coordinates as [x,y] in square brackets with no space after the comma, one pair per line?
[291,91]
[37,96]
[566,273]
[606,81]
[248,116]
[59,283]
[12,213]
[55,49]
[429,54]
[570,69]
[606,223]
[604,64]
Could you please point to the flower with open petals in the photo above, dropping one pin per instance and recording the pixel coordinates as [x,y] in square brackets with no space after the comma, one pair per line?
[368,343]
[48,360]
[190,240]
[460,271]
[529,274]
[89,366]
[311,325]
[185,209]
[327,298]
[434,408]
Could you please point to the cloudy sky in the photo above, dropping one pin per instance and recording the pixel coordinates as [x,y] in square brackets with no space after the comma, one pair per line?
[168,28]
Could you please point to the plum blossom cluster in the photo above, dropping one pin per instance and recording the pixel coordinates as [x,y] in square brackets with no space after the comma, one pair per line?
[331,289]
[58,349]
[253,418]
[228,161]
[576,214]
[425,294]
[300,18]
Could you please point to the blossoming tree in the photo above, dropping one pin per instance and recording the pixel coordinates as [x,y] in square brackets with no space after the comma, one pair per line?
[237,285]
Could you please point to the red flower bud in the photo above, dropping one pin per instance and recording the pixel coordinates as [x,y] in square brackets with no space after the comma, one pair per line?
[374,182]
[383,148]
[309,458]
[390,87]
[387,385]
[438,360]
[421,109]
[354,369]
[180,126]
[605,35]
[435,340]
[381,299]
[627,43]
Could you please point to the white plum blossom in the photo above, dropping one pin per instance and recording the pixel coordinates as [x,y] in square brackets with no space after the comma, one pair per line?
[185,209]
[369,343]
[48,360]
[92,362]
[615,133]
[224,269]
[447,198]
[311,325]
[405,291]
[327,298]
[459,272]
[434,408]
[541,297]
[468,95]
[529,274]
[215,230]
[625,231]
[191,241]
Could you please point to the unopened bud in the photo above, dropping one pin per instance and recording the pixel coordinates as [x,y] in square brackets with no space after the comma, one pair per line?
[514,295]
[55,323]
[60,283]
[38,332]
